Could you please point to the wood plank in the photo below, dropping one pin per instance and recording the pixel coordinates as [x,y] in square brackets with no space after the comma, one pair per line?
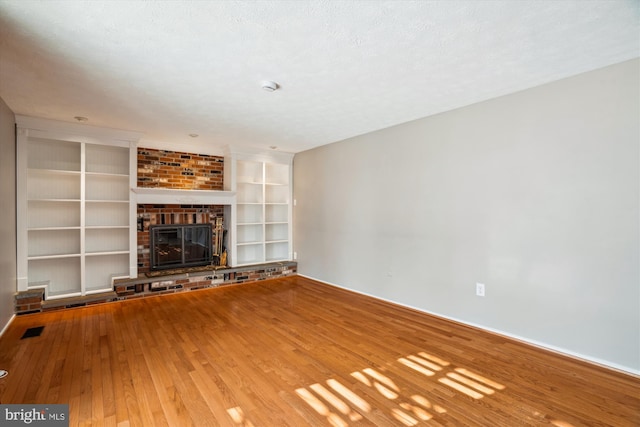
[293,352]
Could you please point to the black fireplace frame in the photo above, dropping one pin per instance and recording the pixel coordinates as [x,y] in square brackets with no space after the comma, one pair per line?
[170,246]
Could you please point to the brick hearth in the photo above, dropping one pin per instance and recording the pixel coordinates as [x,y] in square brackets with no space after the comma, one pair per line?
[32,301]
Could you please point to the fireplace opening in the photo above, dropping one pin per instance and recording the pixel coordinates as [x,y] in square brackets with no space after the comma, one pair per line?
[177,245]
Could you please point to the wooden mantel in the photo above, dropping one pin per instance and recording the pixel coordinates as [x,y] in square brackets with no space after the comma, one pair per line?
[183,197]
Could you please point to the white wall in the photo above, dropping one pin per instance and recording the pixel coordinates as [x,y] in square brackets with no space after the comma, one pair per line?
[7,214]
[535,194]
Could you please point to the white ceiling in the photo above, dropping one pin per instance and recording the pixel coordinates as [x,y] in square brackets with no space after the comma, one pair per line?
[171,68]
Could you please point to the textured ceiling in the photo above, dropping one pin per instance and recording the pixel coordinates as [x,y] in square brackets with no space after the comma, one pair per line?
[171,68]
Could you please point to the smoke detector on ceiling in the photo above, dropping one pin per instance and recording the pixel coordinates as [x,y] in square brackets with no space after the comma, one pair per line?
[270,86]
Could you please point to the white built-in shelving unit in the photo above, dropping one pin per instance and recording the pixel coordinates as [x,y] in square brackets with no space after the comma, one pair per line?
[77,198]
[260,229]
[74,207]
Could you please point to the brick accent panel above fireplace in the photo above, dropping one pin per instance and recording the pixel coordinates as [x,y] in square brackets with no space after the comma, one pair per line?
[184,171]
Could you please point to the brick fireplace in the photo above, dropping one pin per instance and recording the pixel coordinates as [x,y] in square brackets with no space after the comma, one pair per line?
[149,215]
[178,171]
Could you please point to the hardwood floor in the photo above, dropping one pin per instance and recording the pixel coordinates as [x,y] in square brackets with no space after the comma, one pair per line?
[293,352]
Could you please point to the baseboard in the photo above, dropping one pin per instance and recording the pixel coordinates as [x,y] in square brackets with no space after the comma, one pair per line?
[13,316]
[541,345]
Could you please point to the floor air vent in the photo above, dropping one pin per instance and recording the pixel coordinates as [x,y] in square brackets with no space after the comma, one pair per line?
[32,332]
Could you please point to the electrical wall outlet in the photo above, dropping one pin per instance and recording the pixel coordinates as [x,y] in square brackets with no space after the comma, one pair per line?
[295,255]
[480,289]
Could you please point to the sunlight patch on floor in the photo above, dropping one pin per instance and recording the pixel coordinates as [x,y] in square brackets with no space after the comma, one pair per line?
[462,389]
[237,415]
[421,400]
[434,359]
[341,405]
[418,368]
[381,378]
[480,378]
[425,362]
[408,413]
[468,382]
[338,396]
[382,383]
[403,417]
[417,411]
[356,400]
[362,378]
[322,409]
[335,401]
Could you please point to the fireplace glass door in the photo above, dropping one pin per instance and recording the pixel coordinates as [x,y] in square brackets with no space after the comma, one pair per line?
[175,246]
